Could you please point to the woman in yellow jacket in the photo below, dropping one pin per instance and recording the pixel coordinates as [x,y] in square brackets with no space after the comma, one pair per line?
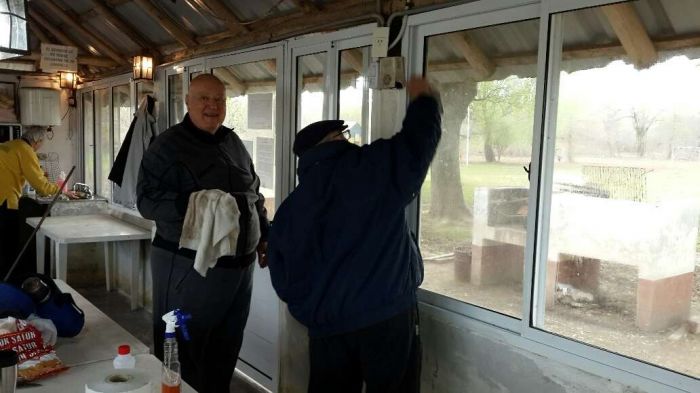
[18,163]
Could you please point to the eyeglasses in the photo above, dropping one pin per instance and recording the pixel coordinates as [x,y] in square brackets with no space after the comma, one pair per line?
[345,133]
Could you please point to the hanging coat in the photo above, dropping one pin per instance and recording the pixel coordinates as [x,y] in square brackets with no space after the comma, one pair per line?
[125,170]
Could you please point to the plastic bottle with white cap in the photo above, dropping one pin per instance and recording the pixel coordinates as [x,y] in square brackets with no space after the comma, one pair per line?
[124,359]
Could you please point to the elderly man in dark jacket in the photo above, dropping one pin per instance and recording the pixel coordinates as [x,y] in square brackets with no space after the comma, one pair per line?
[200,154]
[342,256]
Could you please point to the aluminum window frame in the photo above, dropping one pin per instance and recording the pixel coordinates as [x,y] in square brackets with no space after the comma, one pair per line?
[91,87]
[522,333]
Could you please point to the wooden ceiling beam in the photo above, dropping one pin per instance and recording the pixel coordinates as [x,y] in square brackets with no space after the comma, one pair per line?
[270,66]
[306,5]
[182,36]
[118,24]
[354,58]
[35,17]
[221,10]
[36,30]
[632,34]
[101,46]
[230,80]
[281,27]
[477,59]
[114,3]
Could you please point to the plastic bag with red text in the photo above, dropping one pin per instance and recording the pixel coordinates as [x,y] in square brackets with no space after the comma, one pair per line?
[36,360]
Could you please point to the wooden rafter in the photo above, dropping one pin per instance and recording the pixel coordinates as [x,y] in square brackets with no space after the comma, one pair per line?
[477,59]
[182,36]
[306,5]
[230,80]
[631,32]
[35,17]
[354,58]
[232,21]
[36,30]
[112,18]
[101,46]
[279,27]
[270,66]
[114,3]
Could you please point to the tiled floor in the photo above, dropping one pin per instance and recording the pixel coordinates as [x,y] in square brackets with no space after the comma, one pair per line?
[138,323]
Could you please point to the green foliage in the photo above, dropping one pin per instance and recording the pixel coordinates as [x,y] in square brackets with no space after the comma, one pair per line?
[502,114]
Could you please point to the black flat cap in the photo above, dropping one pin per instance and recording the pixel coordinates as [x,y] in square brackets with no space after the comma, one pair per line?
[312,134]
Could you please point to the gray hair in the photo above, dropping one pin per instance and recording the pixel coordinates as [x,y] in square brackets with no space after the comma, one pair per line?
[34,134]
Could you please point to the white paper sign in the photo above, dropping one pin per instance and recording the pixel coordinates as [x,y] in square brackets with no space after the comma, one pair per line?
[380,42]
[56,58]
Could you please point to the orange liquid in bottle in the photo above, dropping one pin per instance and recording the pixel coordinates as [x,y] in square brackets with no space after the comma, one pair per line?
[170,388]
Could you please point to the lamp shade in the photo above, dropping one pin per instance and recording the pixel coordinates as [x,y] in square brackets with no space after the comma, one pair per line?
[143,67]
[69,80]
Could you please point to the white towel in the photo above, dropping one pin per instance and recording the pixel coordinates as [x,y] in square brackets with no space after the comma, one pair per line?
[211,227]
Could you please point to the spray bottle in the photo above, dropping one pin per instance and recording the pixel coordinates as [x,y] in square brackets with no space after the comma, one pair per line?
[171,364]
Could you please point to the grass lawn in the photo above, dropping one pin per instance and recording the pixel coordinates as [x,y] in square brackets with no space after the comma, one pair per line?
[666,181]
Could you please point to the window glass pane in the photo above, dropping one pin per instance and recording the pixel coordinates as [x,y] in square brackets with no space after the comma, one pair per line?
[195,74]
[88,140]
[121,114]
[143,89]
[354,105]
[175,99]
[104,150]
[473,208]
[622,267]
[250,110]
[5,30]
[311,70]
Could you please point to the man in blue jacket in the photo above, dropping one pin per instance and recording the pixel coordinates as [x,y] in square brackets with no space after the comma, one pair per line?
[343,258]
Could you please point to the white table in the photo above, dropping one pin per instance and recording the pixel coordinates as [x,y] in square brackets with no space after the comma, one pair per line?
[95,228]
[98,340]
[75,378]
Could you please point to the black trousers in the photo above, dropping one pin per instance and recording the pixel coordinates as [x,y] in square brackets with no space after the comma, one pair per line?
[219,305]
[9,238]
[385,356]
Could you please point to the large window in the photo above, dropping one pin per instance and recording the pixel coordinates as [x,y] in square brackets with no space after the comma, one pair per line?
[354,102]
[121,114]
[250,110]
[610,211]
[311,70]
[176,104]
[143,89]
[476,193]
[88,139]
[622,268]
[104,146]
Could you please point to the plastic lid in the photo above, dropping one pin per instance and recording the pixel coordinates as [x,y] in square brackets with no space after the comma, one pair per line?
[124,350]
[8,358]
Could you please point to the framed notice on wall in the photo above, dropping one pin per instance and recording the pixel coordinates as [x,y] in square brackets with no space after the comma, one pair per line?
[8,103]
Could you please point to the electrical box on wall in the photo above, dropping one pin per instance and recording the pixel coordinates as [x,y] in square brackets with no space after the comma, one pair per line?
[387,73]
[40,106]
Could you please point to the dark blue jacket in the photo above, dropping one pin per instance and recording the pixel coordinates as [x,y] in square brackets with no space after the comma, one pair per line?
[340,251]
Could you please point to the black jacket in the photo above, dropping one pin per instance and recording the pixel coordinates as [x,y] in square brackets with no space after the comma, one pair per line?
[340,251]
[184,159]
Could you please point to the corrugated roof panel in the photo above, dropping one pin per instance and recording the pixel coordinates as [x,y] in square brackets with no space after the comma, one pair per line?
[249,10]
[79,6]
[111,35]
[143,23]
[684,15]
[188,15]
